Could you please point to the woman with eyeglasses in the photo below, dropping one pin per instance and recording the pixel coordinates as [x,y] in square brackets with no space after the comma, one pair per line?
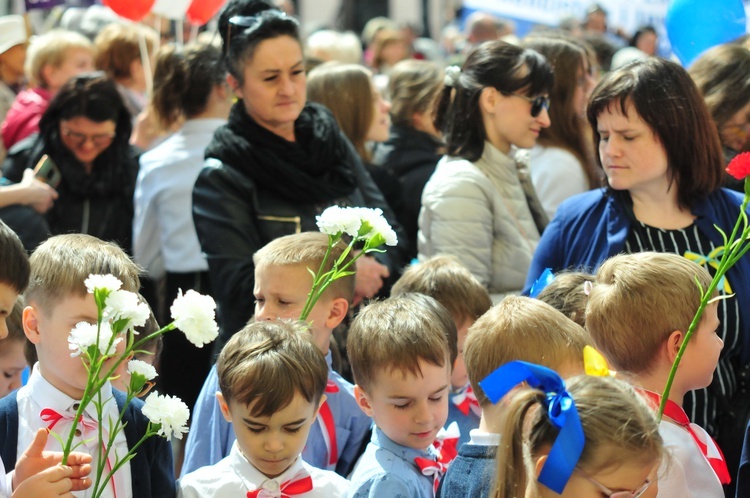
[479,204]
[561,163]
[662,158]
[82,151]
[277,163]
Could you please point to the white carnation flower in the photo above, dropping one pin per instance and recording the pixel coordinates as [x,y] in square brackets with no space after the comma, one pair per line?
[83,336]
[379,227]
[126,305]
[168,411]
[336,220]
[194,314]
[107,283]
[138,367]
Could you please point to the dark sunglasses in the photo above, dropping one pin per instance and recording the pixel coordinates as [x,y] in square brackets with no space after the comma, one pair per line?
[537,104]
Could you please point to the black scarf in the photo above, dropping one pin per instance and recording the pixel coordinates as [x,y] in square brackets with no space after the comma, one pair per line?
[315,168]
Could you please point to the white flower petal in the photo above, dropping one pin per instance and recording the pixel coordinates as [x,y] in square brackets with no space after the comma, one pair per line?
[168,411]
[195,315]
[83,336]
[336,220]
[122,304]
[105,282]
[139,367]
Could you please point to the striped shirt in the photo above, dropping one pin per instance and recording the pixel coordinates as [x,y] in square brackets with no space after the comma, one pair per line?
[701,404]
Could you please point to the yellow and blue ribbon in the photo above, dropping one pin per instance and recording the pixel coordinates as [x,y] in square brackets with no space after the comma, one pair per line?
[561,410]
[713,259]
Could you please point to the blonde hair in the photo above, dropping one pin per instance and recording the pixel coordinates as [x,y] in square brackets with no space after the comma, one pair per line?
[117,46]
[307,248]
[525,329]
[395,333]
[413,87]
[60,265]
[450,283]
[637,301]
[15,324]
[267,363]
[567,294]
[329,45]
[51,49]
[617,424]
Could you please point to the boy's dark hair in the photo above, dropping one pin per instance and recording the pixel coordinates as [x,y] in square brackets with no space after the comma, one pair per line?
[15,269]
[267,363]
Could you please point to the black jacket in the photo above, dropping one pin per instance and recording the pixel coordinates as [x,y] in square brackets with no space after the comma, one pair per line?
[253,190]
[99,204]
[410,156]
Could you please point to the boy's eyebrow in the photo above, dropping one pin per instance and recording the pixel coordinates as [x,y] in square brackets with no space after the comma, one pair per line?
[254,422]
[410,397]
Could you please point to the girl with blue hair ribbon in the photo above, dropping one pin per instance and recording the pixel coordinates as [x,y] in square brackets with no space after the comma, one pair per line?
[590,438]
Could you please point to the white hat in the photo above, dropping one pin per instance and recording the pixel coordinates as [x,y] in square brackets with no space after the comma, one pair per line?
[12,32]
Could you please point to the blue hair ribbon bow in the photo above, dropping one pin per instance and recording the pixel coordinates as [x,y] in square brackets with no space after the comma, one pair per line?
[543,281]
[561,409]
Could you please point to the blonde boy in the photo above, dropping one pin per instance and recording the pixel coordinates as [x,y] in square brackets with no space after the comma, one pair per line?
[282,282]
[56,300]
[272,377]
[52,59]
[466,299]
[639,310]
[518,328]
[401,351]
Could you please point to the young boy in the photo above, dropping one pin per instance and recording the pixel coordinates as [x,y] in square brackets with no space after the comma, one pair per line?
[639,310]
[401,351]
[518,328]
[272,379]
[451,284]
[12,359]
[37,472]
[56,300]
[282,282]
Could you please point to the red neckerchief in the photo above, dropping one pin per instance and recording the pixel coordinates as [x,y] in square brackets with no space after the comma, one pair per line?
[431,468]
[299,484]
[328,425]
[709,449]
[466,400]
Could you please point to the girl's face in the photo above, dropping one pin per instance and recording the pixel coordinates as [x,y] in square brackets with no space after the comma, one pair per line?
[508,119]
[274,88]
[629,479]
[736,130]
[381,120]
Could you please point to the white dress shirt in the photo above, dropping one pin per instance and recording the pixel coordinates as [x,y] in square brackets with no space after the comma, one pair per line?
[234,476]
[37,395]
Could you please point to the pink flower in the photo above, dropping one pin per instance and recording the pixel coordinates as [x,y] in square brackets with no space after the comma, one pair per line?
[739,167]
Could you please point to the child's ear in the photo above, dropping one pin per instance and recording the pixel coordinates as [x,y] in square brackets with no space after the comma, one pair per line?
[362,401]
[539,465]
[337,313]
[673,344]
[224,407]
[30,320]
[487,99]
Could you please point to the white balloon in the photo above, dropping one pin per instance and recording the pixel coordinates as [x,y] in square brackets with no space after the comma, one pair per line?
[171,9]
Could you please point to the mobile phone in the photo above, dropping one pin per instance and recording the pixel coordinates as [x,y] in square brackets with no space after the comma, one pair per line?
[48,172]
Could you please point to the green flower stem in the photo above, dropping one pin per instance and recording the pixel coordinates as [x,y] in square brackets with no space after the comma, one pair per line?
[734,249]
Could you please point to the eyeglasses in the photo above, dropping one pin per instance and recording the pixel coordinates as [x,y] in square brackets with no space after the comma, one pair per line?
[78,139]
[616,494]
[537,104]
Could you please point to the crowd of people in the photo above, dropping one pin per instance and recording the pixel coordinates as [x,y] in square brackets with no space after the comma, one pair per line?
[574,160]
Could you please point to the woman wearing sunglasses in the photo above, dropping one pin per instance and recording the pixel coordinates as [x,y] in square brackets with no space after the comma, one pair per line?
[662,157]
[82,151]
[276,164]
[479,204]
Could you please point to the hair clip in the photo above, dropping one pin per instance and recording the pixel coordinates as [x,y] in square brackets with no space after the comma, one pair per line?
[587,286]
[546,278]
[452,73]
[561,410]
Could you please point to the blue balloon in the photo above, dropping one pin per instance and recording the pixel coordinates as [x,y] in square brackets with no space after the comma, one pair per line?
[694,26]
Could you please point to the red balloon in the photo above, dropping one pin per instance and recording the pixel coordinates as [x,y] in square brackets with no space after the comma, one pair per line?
[201,11]
[135,10]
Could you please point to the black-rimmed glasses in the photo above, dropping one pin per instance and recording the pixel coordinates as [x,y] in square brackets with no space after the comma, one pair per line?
[537,104]
[78,139]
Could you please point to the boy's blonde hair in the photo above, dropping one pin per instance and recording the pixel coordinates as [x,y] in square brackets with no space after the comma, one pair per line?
[395,333]
[619,427]
[267,363]
[567,294]
[61,264]
[450,283]
[51,49]
[117,46]
[637,301]
[525,329]
[307,248]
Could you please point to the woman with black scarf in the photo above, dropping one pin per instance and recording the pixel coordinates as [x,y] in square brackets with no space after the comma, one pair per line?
[83,139]
[278,163]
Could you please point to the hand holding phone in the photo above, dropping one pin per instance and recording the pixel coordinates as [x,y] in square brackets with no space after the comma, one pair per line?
[48,172]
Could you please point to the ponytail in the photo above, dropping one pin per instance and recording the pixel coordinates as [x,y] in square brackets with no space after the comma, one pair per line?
[170,82]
